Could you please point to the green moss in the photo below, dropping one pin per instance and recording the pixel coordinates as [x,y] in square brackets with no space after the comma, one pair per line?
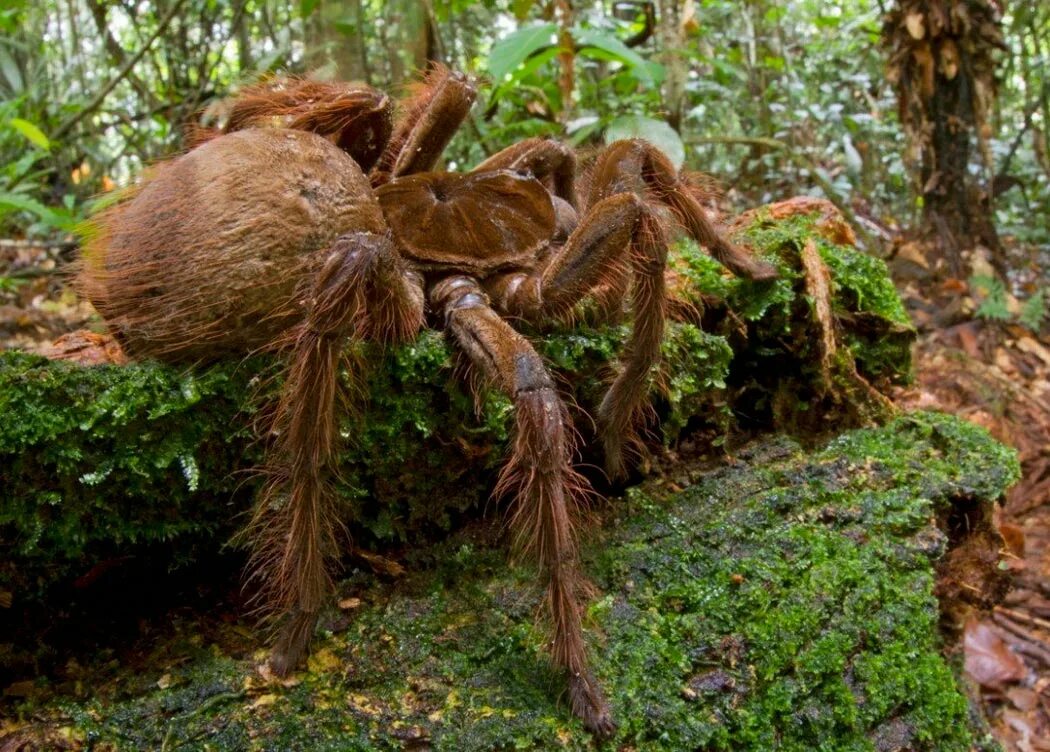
[782,602]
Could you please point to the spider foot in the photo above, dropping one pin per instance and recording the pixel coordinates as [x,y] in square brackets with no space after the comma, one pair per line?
[589,705]
[293,643]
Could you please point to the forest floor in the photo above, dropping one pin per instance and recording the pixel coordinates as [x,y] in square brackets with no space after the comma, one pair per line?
[992,373]
[996,375]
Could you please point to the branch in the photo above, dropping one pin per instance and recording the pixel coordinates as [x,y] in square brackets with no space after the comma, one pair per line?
[799,159]
[95,103]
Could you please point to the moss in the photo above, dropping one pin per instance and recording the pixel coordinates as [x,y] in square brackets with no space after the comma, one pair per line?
[875,326]
[781,602]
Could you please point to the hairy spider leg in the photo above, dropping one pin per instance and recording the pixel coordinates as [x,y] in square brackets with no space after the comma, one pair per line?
[539,475]
[356,118]
[551,162]
[363,292]
[619,238]
[430,117]
[634,165]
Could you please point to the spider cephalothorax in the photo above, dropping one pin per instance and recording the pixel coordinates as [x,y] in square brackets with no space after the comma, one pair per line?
[311,221]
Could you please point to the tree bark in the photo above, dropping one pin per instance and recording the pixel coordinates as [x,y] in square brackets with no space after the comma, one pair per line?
[671,38]
[942,59]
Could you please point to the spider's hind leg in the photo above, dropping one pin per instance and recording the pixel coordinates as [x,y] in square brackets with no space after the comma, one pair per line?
[540,476]
[362,292]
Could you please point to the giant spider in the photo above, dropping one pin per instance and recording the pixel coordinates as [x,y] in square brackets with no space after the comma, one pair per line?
[312,220]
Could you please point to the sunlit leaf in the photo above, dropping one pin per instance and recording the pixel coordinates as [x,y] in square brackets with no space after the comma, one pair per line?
[657,132]
[30,131]
[11,71]
[614,47]
[511,51]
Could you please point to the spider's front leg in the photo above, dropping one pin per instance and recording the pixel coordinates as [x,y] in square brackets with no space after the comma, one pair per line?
[364,292]
[539,473]
[429,120]
[636,166]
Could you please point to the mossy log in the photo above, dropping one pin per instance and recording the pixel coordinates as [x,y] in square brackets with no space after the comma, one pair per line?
[145,461]
[783,601]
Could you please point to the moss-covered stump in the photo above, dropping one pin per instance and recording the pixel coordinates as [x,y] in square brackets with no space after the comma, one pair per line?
[784,601]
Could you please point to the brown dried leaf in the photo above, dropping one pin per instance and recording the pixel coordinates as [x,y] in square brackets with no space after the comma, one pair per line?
[916,25]
[1013,537]
[949,59]
[988,660]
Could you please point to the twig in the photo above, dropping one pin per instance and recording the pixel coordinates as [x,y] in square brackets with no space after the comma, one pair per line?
[94,104]
[1021,616]
[1032,644]
[799,158]
[211,702]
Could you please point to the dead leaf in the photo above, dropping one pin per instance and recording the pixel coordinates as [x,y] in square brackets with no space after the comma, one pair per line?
[988,660]
[263,700]
[916,25]
[1013,537]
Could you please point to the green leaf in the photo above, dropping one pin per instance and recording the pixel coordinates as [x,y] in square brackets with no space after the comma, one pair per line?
[656,132]
[11,72]
[511,51]
[16,202]
[347,26]
[521,8]
[1035,310]
[30,131]
[613,46]
[306,7]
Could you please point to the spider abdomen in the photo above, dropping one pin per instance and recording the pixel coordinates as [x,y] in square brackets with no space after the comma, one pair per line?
[211,254]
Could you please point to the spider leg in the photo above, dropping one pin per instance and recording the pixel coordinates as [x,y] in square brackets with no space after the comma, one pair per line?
[636,166]
[356,118]
[364,291]
[619,238]
[430,118]
[539,473]
[551,162]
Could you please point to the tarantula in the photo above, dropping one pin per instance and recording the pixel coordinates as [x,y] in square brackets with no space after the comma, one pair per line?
[313,220]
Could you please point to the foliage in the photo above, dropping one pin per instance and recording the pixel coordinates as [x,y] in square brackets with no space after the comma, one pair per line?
[805,73]
[993,303]
[992,292]
[784,601]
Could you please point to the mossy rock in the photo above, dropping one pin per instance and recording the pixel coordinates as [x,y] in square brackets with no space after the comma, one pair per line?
[783,601]
[149,462]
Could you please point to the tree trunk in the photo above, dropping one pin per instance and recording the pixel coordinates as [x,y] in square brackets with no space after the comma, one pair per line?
[334,39]
[671,37]
[942,63]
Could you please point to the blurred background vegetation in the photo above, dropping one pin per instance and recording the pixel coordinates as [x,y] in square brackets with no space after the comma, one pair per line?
[772,97]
